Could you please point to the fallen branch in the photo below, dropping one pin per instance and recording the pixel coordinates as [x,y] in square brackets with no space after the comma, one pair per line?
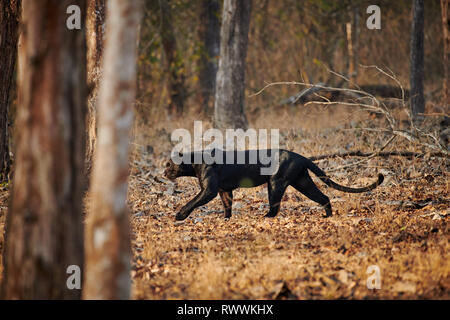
[414,135]
[383,154]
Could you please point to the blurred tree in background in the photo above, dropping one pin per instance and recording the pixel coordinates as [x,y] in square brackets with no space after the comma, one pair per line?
[209,34]
[230,82]
[159,16]
[417,60]
[288,40]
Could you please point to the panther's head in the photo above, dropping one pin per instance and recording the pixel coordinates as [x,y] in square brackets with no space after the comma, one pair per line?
[173,170]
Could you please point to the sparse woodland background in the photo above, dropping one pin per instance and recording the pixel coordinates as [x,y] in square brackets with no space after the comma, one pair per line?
[288,41]
[82,182]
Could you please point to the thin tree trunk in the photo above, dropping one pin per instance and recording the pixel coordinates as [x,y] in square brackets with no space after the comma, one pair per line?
[417,61]
[9,20]
[352,32]
[230,82]
[174,64]
[356,21]
[445,6]
[108,252]
[210,37]
[95,25]
[264,32]
[44,232]
[350,52]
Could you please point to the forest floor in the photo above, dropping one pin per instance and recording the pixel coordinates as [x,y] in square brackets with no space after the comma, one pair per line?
[401,227]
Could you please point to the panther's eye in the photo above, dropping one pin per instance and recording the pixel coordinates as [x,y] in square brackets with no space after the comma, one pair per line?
[167,164]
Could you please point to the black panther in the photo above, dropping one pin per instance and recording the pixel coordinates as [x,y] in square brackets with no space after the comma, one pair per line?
[220,178]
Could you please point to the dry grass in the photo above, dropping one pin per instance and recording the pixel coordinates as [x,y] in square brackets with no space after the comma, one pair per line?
[251,257]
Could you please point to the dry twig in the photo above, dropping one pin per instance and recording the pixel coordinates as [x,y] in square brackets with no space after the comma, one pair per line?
[414,135]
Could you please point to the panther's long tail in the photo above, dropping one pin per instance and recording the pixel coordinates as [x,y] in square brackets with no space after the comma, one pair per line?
[322,176]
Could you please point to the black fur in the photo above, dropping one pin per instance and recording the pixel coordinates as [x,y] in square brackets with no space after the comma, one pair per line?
[222,179]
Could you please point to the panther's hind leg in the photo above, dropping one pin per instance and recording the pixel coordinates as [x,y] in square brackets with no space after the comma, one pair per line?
[227,201]
[306,186]
[276,191]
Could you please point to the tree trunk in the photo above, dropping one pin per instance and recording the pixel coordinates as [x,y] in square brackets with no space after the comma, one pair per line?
[352,31]
[108,252]
[356,23]
[264,29]
[445,6]
[210,38]
[9,20]
[174,63]
[417,61]
[350,52]
[230,82]
[44,232]
[95,25]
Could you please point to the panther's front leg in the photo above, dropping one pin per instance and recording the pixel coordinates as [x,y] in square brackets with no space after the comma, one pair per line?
[209,191]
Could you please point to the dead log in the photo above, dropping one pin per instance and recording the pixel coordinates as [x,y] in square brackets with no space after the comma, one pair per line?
[384,154]
[319,92]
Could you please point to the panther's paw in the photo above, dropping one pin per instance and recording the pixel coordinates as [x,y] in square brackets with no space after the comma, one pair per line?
[270,215]
[180,216]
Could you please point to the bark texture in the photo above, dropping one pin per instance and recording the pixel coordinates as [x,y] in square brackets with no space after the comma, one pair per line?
[210,38]
[108,252]
[230,81]
[44,233]
[445,7]
[95,25]
[9,20]
[417,61]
